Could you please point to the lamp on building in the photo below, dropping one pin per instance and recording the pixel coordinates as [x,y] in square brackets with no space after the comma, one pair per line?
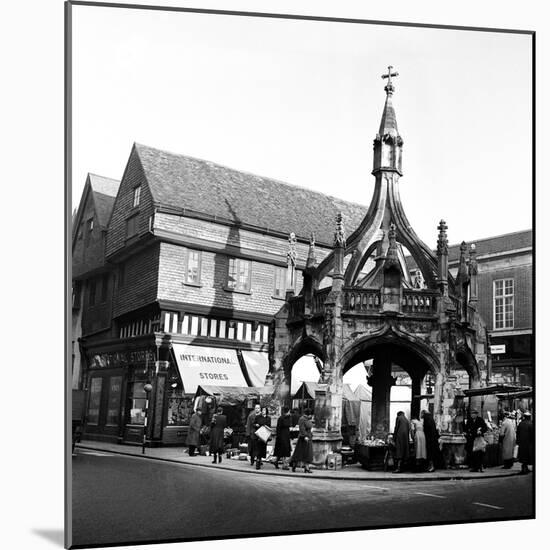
[147,387]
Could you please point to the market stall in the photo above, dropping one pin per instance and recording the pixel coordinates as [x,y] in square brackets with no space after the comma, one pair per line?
[236,402]
[351,413]
[491,411]
[365,406]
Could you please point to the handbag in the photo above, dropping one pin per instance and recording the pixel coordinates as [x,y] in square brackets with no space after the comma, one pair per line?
[479,444]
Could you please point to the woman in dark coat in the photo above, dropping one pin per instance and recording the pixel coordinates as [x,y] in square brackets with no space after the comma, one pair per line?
[432,440]
[303,453]
[260,446]
[217,427]
[524,438]
[193,435]
[401,441]
[475,426]
[282,441]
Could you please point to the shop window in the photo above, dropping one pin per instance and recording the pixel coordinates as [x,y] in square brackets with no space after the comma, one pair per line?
[180,408]
[279,289]
[95,400]
[193,270]
[503,303]
[138,403]
[113,408]
[137,196]
[239,275]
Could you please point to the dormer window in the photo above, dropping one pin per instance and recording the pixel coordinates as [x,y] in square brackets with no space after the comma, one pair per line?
[137,196]
[90,225]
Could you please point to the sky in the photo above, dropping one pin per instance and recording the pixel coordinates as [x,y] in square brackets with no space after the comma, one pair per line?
[301,101]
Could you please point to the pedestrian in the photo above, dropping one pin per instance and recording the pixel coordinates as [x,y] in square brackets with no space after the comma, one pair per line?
[401,441]
[193,435]
[525,439]
[303,453]
[475,429]
[282,439]
[260,446]
[507,436]
[432,439]
[420,453]
[217,427]
[249,432]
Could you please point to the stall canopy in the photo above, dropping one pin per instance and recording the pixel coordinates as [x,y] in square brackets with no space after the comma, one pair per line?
[210,366]
[362,393]
[257,365]
[233,395]
[351,405]
[494,389]
[307,390]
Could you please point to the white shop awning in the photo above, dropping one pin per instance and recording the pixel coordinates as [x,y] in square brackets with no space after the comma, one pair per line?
[199,365]
[257,365]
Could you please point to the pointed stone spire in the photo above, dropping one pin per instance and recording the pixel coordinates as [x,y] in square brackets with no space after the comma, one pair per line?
[291,264]
[462,276]
[311,261]
[388,143]
[442,257]
[472,271]
[339,235]
[388,124]
[339,250]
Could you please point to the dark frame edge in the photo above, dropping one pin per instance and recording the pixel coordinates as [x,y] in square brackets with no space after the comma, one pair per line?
[68,270]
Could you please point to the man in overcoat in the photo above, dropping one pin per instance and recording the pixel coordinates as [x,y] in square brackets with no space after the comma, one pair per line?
[401,441]
[218,425]
[475,425]
[193,435]
[249,431]
[507,436]
[526,439]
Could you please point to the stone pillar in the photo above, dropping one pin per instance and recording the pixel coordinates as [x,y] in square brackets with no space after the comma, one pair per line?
[416,389]
[381,382]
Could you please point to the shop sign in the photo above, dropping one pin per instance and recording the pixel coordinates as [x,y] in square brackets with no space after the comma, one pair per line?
[122,358]
[497,349]
[202,366]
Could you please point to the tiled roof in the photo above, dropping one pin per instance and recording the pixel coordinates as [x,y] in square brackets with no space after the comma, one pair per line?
[498,244]
[491,245]
[105,191]
[201,186]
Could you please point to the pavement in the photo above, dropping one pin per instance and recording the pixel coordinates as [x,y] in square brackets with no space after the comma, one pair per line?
[179,455]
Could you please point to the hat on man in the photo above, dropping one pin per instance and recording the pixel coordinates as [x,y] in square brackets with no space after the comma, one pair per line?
[526,413]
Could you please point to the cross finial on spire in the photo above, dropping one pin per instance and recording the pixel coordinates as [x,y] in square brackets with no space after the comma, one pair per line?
[389,86]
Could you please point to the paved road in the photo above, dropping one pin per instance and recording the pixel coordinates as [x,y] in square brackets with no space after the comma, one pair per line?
[119,499]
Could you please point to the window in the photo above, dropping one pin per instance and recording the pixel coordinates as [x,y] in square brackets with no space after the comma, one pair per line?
[137,195]
[239,275]
[280,282]
[193,271]
[104,287]
[91,292]
[113,407]
[121,275]
[77,288]
[95,400]
[503,297]
[132,226]
[138,402]
[90,224]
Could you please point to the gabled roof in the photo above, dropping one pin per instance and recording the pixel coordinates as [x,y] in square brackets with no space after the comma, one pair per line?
[491,245]
[498,244]
[104,193]
[201,186]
